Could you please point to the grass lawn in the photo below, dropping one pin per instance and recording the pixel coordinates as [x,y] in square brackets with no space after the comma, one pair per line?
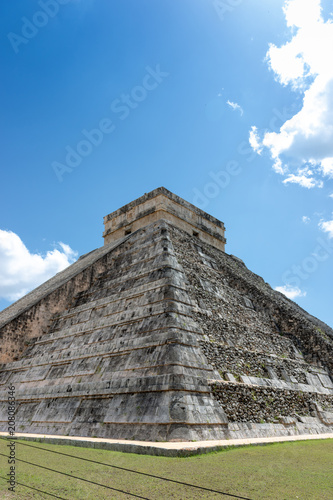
[297,470]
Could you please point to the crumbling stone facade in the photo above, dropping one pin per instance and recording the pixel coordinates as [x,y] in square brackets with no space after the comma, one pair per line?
[160,335]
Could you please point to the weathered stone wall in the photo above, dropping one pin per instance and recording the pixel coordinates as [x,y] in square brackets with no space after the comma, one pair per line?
[239,361]
[236,308]
[244,403]
[273,359]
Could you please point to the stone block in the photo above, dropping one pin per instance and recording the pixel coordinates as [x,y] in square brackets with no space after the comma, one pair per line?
[56,410]
[325,380]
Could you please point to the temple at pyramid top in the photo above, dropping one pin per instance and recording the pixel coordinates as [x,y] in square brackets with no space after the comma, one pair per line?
[162,204]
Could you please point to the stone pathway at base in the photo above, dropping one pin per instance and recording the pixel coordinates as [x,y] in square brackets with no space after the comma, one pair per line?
[170,449]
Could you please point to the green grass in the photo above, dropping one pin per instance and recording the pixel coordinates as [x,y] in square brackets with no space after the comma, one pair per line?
[297,470]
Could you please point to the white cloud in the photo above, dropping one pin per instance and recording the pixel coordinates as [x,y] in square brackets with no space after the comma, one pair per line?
[302,180]
[235,106]
[306,139]
[71,254]
[327,167]
[306,219]
[254,140]
[331,195]
[21,271]
[327,227]
[290,291]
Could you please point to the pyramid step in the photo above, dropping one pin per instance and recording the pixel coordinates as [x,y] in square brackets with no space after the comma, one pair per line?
[151,296]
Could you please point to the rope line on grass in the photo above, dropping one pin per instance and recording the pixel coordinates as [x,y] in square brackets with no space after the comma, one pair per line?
[134,471]
[36,489]
[80,478]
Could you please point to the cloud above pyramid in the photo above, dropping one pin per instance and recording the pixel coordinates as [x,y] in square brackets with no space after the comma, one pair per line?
[22,270]
[302,150]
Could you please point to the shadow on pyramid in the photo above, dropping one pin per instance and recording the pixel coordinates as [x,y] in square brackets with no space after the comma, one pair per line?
[160,335]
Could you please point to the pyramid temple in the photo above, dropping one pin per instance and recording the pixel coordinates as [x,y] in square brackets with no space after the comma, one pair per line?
[160,335]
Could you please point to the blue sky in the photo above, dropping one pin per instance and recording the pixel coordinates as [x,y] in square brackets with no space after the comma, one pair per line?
[227,103]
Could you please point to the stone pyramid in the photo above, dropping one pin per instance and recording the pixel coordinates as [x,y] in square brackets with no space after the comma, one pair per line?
[160,335]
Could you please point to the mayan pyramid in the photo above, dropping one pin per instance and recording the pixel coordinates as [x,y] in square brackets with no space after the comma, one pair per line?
[160,335]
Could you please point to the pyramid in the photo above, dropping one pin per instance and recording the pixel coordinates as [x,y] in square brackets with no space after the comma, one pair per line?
[160,335]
